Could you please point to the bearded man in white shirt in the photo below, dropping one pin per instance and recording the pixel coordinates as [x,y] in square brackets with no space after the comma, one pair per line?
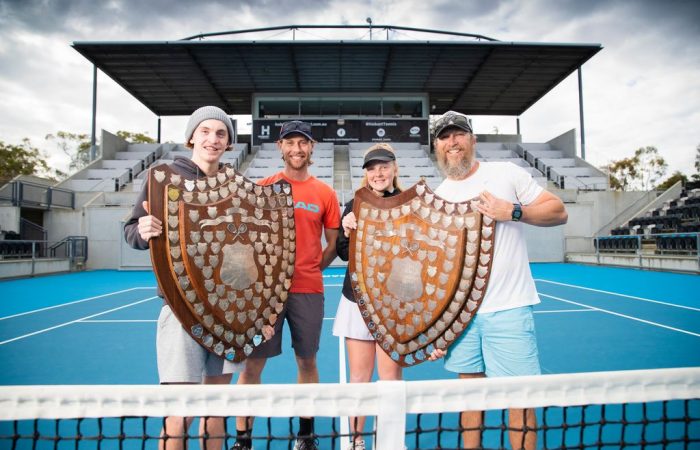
[500,340]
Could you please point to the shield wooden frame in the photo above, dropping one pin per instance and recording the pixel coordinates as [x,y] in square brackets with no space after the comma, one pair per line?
[419,269]
[226,256]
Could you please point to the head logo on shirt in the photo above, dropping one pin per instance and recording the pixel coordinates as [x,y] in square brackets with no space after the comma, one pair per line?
[307,206]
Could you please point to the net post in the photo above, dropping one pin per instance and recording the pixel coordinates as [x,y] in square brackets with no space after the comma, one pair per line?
[391,417]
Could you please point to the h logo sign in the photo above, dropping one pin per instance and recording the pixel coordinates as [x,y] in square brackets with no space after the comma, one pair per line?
[265,131]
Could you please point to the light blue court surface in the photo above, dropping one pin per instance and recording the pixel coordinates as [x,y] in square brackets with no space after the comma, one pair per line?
[99,327]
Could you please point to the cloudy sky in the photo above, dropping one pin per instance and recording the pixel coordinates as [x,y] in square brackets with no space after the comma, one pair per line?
[642,89]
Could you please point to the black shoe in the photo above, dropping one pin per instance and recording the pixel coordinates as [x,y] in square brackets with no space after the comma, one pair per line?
[239,446]
[306,443]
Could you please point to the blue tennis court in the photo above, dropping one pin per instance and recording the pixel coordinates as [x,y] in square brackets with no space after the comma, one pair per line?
[99,327]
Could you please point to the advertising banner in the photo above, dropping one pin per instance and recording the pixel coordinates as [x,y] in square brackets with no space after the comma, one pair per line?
[345,131]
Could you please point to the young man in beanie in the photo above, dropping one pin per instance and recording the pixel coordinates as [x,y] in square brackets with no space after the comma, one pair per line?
[500,340]
[181,360]
[316,211]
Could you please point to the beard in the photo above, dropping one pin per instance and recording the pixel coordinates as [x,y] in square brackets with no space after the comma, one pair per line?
[297,165]
[455,169]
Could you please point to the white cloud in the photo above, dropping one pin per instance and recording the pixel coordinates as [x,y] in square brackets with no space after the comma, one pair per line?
[642,89]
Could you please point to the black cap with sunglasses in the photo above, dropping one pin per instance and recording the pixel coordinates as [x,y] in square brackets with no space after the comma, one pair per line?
[296,126]
[451,119]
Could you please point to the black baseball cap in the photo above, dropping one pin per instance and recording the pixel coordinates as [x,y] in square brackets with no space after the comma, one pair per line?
[296,126]
[451,119]
[379,152]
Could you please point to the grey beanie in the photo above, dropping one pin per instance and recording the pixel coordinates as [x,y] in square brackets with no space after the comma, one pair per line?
[206,113]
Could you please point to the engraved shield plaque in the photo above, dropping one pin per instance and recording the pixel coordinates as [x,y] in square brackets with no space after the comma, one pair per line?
[419,267]
[226,256]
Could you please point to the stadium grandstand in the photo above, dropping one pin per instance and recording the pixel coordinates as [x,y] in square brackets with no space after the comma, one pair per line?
[355,93]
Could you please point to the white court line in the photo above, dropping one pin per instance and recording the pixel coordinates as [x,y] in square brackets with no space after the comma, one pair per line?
[620,295]
[119,321]
[623,315]
[76,320]
[554,311]
[74,302]
[332,285]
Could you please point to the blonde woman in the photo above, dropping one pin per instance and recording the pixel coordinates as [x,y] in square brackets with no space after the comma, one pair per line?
[382,178]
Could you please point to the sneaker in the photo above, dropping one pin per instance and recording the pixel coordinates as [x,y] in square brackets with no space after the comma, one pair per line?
[307,443]
[239,446]
[357,445]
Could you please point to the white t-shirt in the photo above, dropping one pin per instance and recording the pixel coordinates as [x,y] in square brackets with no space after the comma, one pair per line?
[511,284]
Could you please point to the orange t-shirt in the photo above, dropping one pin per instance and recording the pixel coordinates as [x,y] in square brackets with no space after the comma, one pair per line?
[315,208]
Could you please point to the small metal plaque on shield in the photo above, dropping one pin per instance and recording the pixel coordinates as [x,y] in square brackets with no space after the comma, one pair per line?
[226,256]
[419,267]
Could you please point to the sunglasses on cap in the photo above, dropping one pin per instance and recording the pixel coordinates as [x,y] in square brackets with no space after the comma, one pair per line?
[296,126]
[451,119]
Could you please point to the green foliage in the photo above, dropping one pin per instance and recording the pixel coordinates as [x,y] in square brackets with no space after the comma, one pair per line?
[673,179]
[641,171]
[24,159]
[76,146]
[652,166]
[622,173]
[679,176]
[136,138]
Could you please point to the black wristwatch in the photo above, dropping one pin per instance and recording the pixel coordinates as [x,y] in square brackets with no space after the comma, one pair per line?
[517,212]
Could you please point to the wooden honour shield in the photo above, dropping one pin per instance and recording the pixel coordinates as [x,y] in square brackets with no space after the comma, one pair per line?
[226,256]
[419,267]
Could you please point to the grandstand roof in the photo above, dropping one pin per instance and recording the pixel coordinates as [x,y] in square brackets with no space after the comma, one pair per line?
[475,77]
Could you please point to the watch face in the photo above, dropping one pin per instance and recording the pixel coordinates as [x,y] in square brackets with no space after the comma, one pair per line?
[517,212]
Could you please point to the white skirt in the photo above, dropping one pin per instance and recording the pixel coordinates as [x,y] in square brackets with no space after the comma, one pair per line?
[349,323]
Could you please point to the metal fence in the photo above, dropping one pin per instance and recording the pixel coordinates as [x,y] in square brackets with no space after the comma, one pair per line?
[73,248]
[24,193]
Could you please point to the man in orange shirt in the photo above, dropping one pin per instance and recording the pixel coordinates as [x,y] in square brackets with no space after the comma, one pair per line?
[316,210]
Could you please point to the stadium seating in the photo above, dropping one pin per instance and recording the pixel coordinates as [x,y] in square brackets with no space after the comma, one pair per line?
[267,161]
[99,180]
[12,247]
[499,152]
[362,146]
[113,172]
[671,228]
[618,244]
[413,162]
[565,172]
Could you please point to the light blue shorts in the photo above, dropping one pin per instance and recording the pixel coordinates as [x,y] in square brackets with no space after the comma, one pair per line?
[499,344]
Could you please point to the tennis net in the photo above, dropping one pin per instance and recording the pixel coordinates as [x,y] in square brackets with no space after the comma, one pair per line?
[632,409]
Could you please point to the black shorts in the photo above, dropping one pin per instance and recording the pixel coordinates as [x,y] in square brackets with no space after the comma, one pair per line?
[304,312]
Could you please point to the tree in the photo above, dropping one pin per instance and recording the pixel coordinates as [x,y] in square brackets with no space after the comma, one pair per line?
[622,173]
[24,159]
[76,146]
[673,179]
[651,166]
[136,138]
[641,171]
[696,175]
